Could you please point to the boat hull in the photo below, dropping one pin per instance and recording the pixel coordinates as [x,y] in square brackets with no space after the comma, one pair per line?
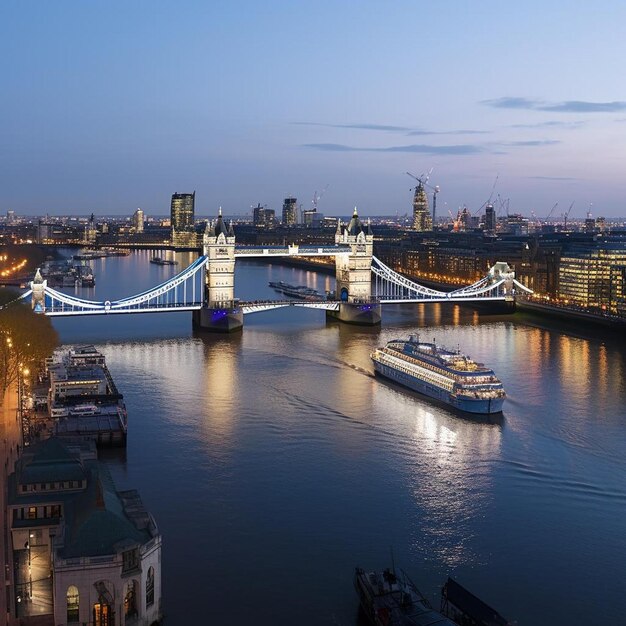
[478,406]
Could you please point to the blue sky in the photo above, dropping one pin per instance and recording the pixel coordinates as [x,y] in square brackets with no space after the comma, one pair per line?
[109,106]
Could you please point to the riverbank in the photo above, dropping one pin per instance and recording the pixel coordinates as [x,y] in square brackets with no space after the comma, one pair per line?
[10,441]
[563,313]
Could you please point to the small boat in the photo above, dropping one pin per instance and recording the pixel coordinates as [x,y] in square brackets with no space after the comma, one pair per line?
[464,607]
[391,600]
[157,260]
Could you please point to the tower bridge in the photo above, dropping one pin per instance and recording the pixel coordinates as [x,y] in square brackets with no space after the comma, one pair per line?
[207,286]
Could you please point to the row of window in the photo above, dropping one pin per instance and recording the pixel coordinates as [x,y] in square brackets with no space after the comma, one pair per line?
[54,486]
[431,377]
[37,512]
[101,610]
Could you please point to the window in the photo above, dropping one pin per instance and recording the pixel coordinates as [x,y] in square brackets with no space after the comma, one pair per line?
[102,615]
[150,587]
[130,560]
[130,600]
[55,510]
[32,512]
[72,604]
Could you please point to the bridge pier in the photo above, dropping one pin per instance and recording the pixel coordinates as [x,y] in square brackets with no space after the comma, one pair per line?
[218,319]
[366,314]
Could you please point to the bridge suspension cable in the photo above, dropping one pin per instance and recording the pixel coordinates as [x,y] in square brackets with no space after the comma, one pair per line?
[182,292]
[390,286]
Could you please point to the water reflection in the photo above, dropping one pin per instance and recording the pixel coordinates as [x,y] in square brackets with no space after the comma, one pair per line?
[221,383]
[276,450]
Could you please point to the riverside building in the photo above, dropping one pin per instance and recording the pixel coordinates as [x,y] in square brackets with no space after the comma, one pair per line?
[592,277]
[83,552]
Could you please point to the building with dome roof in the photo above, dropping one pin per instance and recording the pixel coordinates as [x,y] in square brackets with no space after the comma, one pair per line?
[83,552]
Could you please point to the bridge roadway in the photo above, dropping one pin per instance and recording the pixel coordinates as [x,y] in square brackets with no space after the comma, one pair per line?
[290,250]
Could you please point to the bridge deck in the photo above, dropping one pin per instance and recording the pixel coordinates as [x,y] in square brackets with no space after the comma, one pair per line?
[295,250]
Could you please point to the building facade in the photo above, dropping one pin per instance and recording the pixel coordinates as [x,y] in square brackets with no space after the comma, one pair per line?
[138,221]
[83,552]
[591,277]
[422,220]
[290,212]
[182,208]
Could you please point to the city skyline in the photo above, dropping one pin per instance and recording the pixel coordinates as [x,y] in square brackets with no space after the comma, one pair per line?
[108,112]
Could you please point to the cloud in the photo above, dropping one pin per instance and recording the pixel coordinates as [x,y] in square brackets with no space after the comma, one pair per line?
[331,147]
[533,142]
[383,127]
[578,106]
[569,106]
[463,149]
[552,178]
[390,128]
[449,132]
[550,124]
[511,103]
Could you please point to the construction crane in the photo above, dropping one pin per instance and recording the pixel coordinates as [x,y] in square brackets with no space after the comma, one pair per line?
[566,215]
[317,197]
[556,204]
[423,180]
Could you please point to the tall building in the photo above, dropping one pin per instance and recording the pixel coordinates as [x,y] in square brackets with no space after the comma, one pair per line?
[182,220]
[90,231]
[290,211]
[591,276]
[490,219]
[138,220]
[263,217]
[422,220]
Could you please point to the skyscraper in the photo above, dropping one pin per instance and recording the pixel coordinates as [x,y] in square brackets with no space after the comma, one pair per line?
[290,212]
[138,219]
[421,215]
[182,220]
[490,219]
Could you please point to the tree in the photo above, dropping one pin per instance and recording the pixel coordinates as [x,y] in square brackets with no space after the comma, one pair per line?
[26,338]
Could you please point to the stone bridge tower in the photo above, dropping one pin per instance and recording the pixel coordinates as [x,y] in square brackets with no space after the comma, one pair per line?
[354,274]
[219,312]
[38,298]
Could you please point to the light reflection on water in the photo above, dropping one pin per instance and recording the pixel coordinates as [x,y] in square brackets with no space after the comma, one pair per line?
[275,455]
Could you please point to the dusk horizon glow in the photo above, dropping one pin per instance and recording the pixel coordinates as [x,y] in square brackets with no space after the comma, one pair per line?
[110,107]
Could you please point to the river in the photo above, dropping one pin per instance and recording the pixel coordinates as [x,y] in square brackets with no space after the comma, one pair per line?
[274,461]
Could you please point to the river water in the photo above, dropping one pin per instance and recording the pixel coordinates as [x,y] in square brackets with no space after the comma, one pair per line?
[274,461]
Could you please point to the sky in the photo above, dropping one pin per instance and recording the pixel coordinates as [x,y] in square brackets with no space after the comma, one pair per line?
[110,106]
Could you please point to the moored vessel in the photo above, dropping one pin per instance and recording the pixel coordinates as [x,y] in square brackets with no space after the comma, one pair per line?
[445,375]
[157,260]
[296,291]
[390,600]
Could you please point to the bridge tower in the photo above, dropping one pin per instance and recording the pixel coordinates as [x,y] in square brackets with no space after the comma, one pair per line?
[219,312]
[38,297]
[354,274]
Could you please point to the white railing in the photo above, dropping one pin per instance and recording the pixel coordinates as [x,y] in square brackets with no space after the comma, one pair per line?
[182,292]
[392,287]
